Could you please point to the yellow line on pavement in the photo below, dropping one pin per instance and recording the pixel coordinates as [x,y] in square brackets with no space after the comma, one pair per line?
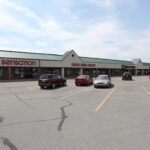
[105,99]
[71,94]
[146,90]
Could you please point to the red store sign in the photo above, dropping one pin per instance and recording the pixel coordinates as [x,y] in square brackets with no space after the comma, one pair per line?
[9,62]
[128,67]
[83,65]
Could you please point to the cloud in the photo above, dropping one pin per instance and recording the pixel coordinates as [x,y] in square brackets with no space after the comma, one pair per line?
[64,5]
[107,40]
[11,24]
[113,4]
[46,28]
[95,39]
[52,29]
[41,44]
[11,40]
[103,3]
[7,4]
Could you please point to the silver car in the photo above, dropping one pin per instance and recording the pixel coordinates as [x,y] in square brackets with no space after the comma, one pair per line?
[102,81]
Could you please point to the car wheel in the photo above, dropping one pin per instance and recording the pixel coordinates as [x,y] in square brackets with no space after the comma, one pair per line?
[76,84]
[95,86]
[53,85]
[64,84]
[42,87]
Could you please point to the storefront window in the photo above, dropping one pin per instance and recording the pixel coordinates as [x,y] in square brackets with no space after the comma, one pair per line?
[57,71]
[17,71]
[23,72]
[69,71]
[35,71]
[54,71]
[139,72]
[1,72]
[86,72]
[98,72]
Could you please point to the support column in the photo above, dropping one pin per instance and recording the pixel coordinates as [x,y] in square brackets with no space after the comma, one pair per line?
[62,72]
[81,71]
[96,73]
[136,72]
[142,71]
[39,72]
[9,73]
[109,73]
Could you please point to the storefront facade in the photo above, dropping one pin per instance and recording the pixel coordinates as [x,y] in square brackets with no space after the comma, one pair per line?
[18,68]
[22,65]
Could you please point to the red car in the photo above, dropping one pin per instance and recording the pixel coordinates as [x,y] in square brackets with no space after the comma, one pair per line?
[83,79]
[51,80]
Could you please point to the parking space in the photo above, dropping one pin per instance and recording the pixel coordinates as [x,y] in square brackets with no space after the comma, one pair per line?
[75,117]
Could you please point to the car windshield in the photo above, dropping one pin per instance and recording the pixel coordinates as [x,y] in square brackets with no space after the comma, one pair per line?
[45,76]
[102,78]
[82,77]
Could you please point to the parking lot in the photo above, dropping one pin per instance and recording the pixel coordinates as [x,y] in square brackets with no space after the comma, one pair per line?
[75,117]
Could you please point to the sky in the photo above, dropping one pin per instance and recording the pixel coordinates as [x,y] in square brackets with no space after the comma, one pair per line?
[115,29]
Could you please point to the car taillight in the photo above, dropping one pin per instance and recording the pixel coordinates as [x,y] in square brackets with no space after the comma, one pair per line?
[48,79]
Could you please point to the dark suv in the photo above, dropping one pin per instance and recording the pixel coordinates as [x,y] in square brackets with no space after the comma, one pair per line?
[127,76]
[51,80]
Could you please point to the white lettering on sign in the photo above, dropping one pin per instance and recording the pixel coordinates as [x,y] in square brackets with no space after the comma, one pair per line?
[9,62]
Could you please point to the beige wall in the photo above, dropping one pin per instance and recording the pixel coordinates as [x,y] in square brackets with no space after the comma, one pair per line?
[141,66]
[67,62]
[113,66]
[47,63]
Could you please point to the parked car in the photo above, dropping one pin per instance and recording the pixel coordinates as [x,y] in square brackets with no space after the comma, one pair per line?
[102,81]
[83,80]
[51,80]
[127,76]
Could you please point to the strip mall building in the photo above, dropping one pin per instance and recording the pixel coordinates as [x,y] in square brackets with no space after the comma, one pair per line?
[23,65]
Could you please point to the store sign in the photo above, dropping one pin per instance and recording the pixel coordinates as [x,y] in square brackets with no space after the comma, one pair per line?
[13,62]
[83,65]
[128,67]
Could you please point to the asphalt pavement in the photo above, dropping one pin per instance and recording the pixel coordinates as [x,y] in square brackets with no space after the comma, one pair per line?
[75,117]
